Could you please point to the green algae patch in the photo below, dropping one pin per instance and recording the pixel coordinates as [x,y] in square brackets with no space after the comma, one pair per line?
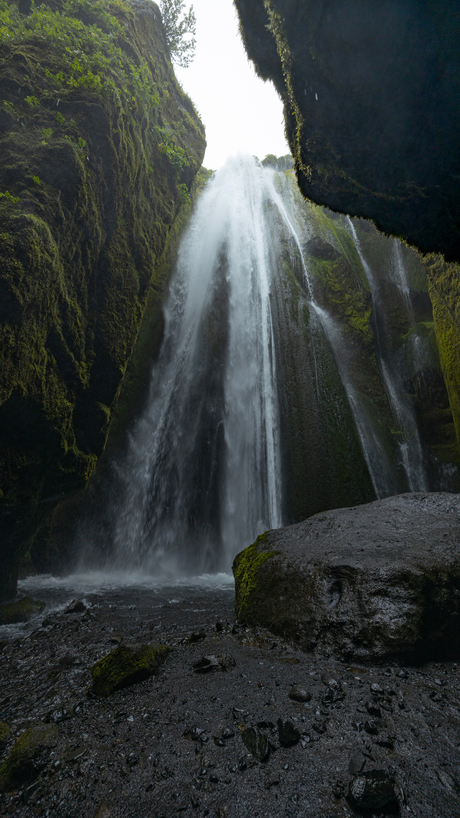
[245,568]
[20,611]
[127,665]
[28,756]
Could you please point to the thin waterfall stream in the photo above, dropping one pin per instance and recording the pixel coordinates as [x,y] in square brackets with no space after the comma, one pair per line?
[410,445]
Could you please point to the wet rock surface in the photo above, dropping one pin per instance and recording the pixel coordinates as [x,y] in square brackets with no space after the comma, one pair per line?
[20,611]
[366,583]
[174,744]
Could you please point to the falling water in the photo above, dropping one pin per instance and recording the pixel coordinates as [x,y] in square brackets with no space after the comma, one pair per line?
[201,476]
[409,446]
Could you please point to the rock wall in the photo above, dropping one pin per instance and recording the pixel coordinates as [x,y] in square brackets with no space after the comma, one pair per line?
[99,148]
[370,98]
[371,106]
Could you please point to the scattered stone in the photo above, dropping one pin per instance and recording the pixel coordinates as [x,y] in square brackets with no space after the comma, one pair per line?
[373,709]
[373,790]
[20,611]
[58,716]
[385,741]
[320,726]
[299,694]
[376,690]
[76,606]
[197,636]
[371,727]
[195,733]
[356,764]
[256,743]
[127,665]
[242,763]
[339,789]
[115,640]
[212,664]
[329,585]
[288,734]
[219,627]
[207,664]
[228,733]
[28,756]
[76,754]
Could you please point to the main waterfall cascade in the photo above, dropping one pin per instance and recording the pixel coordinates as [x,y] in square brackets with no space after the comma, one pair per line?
[276,393]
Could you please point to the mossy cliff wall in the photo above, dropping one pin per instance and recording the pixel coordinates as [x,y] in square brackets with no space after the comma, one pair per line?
[99,149]
[370,94]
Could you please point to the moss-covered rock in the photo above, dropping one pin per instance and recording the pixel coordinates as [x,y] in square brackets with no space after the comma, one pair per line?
[20,611]
[371,107]
[28,756]
[245,568]
[99,149]
[127,665]
[341,583]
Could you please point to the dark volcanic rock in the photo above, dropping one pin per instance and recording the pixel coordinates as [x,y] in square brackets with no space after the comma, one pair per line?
[256,743]
[299,694]
[288,734]
[366,138]
[368,582]
[373,790]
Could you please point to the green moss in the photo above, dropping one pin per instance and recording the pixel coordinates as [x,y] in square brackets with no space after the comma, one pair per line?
[245,569]
[27,756]
[444,289]
[20,611]
[126,665]
[99,152]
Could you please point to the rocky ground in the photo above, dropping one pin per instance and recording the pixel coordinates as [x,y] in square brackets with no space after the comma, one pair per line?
[180,742]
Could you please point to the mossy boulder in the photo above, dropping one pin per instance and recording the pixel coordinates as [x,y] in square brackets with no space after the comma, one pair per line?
[28,756]
[369,583]
[99,153]
[20,611]
[127,665]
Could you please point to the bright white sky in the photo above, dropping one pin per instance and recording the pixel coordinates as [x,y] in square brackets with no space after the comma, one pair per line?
[240,112]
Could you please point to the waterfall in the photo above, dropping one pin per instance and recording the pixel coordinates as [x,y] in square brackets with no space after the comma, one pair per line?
[201,476]
[265,404]
[410,445]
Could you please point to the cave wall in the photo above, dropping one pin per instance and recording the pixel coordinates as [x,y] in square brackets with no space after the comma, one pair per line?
[100,147]
[371,106]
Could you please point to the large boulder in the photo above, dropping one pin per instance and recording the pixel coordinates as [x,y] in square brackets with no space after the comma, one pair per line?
[373,582]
